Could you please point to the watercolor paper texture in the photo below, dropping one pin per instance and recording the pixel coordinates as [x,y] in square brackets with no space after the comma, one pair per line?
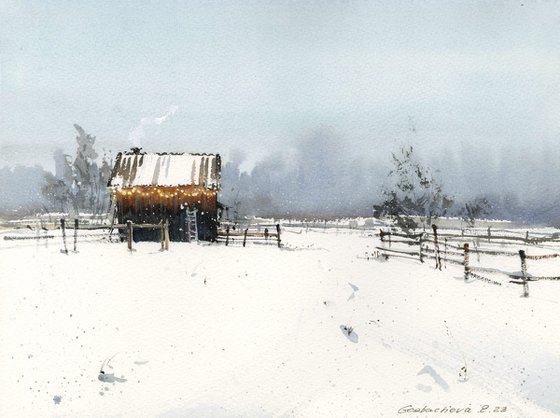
[279,208]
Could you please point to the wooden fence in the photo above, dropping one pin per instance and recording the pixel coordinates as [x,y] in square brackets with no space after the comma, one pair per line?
[452,248]
[231,235]
[71,233]
[128,227]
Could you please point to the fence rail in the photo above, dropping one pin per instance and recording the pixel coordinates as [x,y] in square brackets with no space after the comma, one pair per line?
[71,232]
[430,246]
[230,235]
[43,233]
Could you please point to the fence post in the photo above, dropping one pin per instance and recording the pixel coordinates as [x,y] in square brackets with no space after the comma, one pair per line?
[76,223]
[466,260]
[129,234]
[527,236]
[278,234]
[43,227]
[63,227]
[436,246]
[381,235]
[162,234]
[445,253]
[245,236]
[227,235]
[489,235]
[523,257]
[166,235]
[38,230]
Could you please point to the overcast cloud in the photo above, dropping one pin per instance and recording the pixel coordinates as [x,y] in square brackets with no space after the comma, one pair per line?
[470,85]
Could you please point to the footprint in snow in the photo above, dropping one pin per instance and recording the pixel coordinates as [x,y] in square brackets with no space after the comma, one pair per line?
[437,378]
[424,388]
[354,290]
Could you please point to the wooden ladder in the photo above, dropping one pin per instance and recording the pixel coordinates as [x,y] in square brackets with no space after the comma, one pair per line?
[192,227]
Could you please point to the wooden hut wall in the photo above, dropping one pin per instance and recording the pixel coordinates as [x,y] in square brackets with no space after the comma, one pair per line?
[156,204]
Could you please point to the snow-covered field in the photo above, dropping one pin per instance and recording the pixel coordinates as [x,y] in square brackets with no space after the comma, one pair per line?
[215,331]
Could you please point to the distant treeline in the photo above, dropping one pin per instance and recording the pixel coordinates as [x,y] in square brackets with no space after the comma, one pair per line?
[319,177]
[322,178]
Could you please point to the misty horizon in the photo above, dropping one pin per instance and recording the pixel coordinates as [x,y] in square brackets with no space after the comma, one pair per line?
[324,179]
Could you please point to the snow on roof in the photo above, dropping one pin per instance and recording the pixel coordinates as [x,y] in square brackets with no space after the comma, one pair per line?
[167,170]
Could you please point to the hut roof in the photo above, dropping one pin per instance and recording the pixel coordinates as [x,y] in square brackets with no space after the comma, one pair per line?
[166,169]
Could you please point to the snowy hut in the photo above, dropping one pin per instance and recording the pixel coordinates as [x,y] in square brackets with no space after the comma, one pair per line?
[148,188]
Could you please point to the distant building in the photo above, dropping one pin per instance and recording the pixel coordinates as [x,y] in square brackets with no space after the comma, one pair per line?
[148,188]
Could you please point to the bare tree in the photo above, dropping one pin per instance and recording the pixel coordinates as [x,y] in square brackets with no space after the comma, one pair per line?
[57,192]
[474,209]
[413,192]
[82,185]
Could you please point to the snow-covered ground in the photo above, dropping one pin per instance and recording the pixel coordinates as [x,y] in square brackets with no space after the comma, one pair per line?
[215,331]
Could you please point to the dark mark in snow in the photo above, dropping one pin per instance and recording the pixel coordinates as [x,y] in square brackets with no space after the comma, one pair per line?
[57,399]
[110,378]
[348,331]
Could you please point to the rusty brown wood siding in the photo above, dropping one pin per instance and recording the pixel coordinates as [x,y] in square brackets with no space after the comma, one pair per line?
[137,203]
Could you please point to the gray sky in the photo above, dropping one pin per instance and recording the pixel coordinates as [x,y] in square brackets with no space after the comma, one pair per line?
[263,76]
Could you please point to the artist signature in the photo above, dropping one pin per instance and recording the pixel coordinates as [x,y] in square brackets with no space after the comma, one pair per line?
[449,409]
